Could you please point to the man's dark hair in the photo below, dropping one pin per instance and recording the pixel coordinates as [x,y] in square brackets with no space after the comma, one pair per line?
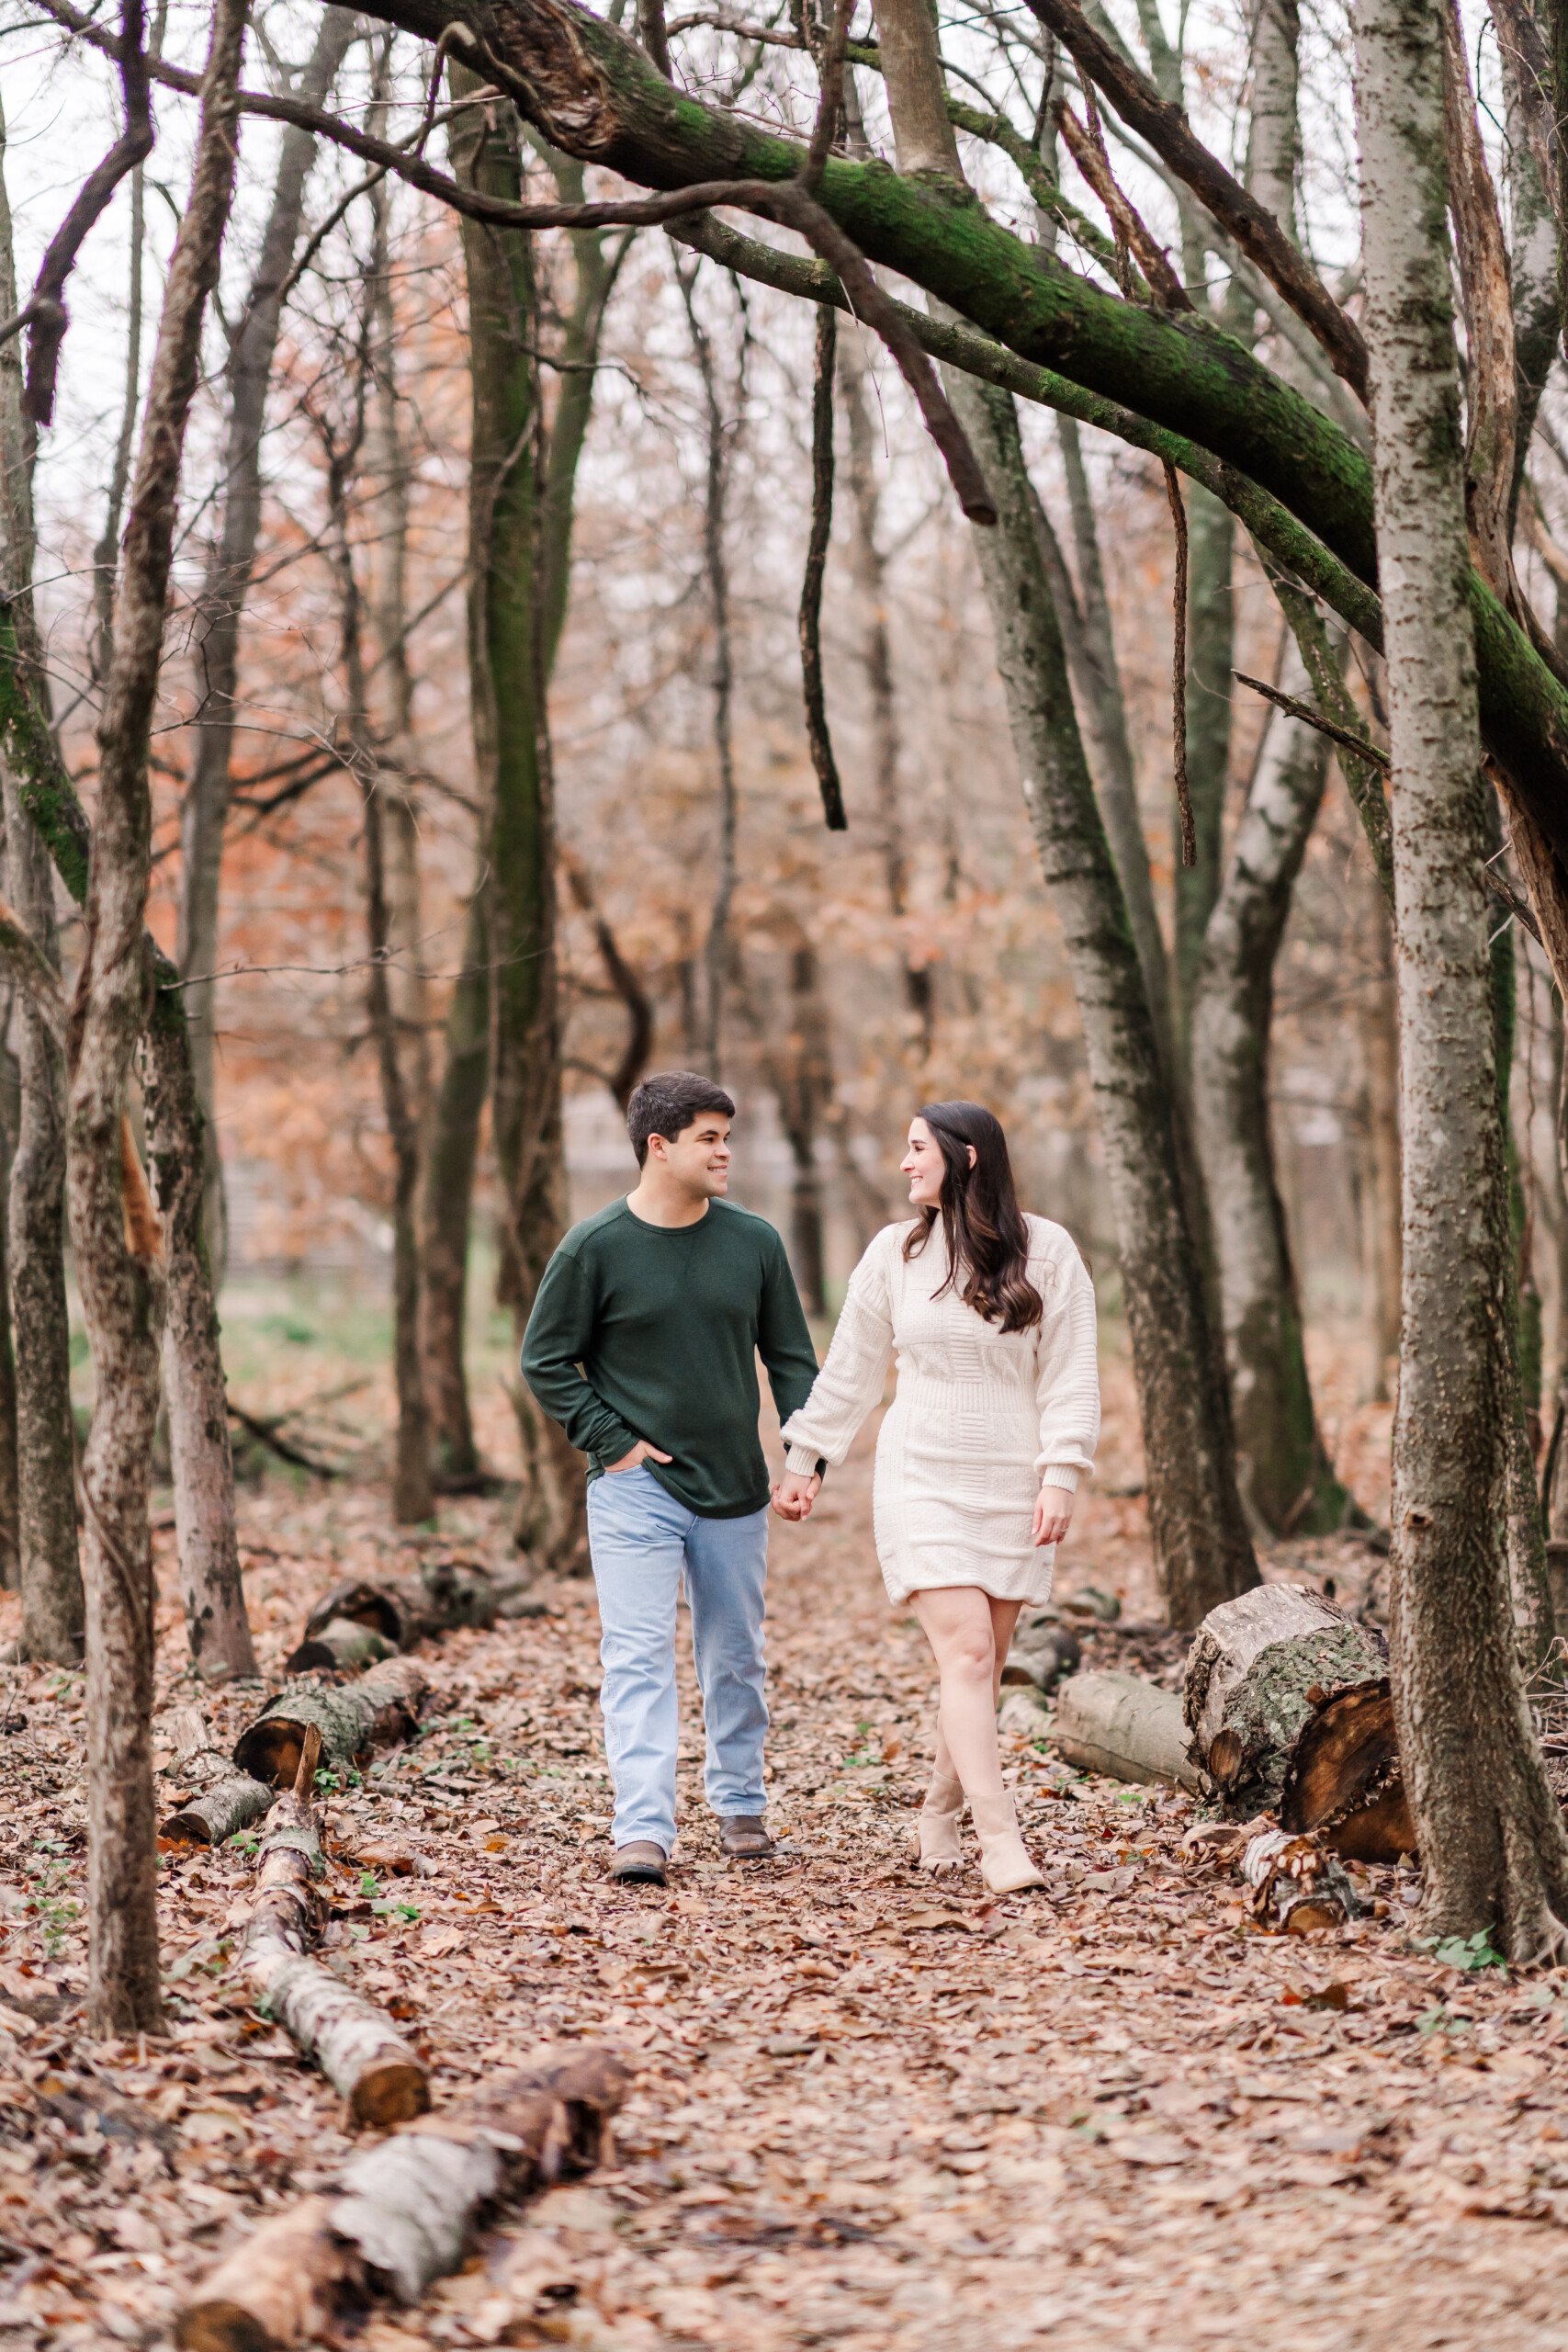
[668,1103]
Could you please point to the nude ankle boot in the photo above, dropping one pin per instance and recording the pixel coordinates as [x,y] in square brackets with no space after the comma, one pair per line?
[1004,1863]
[937,1824]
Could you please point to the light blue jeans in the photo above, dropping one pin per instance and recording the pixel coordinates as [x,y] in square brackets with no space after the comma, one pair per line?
[639,1539]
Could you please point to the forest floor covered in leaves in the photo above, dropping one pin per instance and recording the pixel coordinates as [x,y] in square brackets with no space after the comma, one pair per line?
[868,2112]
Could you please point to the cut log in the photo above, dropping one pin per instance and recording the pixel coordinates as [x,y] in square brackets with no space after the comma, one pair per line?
[1043,1651]
[341,1648]
[1344,1779]
[1297,1886]
[220,1812]
[379,1711]
[354,2043]
[437,1597]
[217,1801]
[1257,1667]
[1127,1728]
[403,2210]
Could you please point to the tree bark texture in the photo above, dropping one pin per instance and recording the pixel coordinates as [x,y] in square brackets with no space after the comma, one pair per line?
[1492,1844]
[48,1565]
[1282,1467]
[216,623]
[119,1251]
[1377,1023]
[1247,1676]
[803,1082]
[1201,1547]
[451,1158]
[380,1710]
[1211,639]
[1105,705]
[217,1626]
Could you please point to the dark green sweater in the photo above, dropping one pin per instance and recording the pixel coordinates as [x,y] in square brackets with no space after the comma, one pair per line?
[653,1331]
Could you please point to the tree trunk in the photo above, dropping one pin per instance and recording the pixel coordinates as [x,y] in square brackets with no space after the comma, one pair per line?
[451,1156]
[1211,637]
[803,1082]
[1282,1466]
[1377,1022]
[1116,778]
[49,1564]
[506,674]
[119,1259]
[869,569]
[719,949]
[216,1624]
[216,623]
[1493,1846]
[453,1150]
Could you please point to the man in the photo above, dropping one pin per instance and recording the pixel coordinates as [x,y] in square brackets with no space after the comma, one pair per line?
[643,1345]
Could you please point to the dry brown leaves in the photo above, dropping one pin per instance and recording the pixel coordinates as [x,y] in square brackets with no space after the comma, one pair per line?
[870,2112]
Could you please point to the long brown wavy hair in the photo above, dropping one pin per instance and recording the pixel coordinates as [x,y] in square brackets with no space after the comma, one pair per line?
[987,1240]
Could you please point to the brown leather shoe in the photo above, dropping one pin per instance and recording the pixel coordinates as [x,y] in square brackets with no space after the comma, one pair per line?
[642,1863]
[744,1837]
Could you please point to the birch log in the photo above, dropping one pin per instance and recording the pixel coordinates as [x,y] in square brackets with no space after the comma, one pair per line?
[1122,1726]
[403,2210]
[379,1711]
[218,1800]
[438,1594]
[353,2041]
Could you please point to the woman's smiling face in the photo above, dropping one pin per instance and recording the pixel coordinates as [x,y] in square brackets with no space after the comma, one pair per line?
[924,1165]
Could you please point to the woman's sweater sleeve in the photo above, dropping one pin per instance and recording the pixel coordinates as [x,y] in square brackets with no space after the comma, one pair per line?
[851,1382]
[1066,1383]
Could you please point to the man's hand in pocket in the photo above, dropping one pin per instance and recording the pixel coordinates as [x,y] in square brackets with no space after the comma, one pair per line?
[640,1453]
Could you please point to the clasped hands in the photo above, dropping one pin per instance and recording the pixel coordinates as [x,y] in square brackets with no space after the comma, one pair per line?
[795,1493]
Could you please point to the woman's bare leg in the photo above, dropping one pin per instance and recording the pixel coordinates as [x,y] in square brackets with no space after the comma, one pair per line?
[1004,1617]
[969,1633]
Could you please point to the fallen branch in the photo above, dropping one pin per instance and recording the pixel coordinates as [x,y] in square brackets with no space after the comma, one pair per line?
[354,2043]
[403,2211]
[266,1433]
[379,1711]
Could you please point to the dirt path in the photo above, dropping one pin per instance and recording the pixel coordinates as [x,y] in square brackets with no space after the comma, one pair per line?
[868,2115]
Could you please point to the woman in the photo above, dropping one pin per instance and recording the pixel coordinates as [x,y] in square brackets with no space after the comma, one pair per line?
[991,1314]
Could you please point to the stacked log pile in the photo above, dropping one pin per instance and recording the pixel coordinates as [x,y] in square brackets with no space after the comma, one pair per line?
[1284,1713]
[401,2213]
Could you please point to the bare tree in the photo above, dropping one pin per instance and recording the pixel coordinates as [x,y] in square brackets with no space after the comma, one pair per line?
[1492,1844]
[118,1246]
[49,1564]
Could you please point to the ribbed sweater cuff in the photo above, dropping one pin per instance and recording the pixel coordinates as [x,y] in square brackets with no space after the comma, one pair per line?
[1059,1474]
[802,1460]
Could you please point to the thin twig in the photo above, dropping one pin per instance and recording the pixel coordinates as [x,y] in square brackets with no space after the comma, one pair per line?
[1178,669]
[1362,745]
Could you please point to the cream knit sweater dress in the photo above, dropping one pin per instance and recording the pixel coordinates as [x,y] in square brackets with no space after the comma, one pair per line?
[982,1417]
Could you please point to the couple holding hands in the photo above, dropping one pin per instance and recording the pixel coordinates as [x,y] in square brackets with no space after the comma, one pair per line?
[643,1345]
